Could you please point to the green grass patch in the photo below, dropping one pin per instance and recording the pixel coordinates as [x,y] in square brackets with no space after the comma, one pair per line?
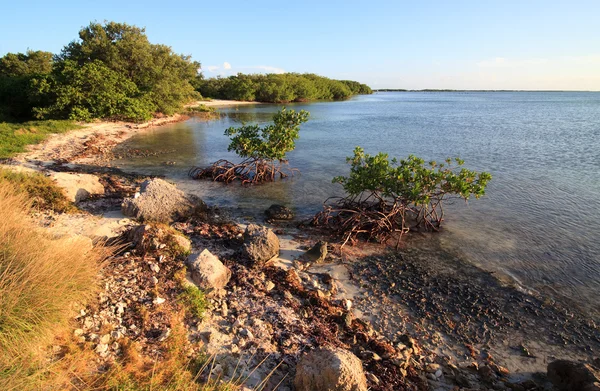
[41,190]
[14,137]
[194,300]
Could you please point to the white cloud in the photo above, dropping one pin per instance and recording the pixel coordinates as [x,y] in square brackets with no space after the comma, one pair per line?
[212,68]
[268,69]
[226,65]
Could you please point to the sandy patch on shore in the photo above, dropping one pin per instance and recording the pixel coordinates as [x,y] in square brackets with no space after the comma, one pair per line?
[224,103]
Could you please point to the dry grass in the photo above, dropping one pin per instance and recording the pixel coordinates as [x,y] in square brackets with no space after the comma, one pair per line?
[40,280]
[41,190]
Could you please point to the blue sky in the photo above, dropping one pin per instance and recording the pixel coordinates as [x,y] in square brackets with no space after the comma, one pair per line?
[525,44]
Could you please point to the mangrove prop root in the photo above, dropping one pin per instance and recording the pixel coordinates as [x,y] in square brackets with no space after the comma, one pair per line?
[376,219]
[249,171]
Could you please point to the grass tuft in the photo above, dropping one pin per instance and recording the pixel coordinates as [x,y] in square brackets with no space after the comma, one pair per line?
[193,300]
[40,280]
[41,190]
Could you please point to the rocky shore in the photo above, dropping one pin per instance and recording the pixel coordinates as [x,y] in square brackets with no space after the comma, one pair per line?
[280,308]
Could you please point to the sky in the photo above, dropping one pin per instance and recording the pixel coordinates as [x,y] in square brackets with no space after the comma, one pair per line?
[525,44]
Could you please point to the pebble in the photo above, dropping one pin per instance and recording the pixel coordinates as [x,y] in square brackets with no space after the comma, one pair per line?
[78,332]
[101,348]
[105,339]
[269,285]
[154,267]
[224,310]
[158,300]
[372,378]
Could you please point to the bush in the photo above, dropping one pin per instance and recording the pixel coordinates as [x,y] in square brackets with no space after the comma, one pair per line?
[263,150]
[386,197]
[279,88]
[40,279]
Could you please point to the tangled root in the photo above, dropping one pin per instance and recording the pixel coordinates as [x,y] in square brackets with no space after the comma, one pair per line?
[250,171]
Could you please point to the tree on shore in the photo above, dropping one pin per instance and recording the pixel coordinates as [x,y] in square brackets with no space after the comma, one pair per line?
[263,150]
[387,197]
[111,72]
[279,88]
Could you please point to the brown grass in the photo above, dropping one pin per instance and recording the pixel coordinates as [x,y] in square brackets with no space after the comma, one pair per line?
[41,190]
[40,280]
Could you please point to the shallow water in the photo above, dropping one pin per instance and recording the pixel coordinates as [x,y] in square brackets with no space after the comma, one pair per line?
[538,221]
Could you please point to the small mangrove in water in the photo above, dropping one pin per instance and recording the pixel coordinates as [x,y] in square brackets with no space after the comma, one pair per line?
[263,150]
[386,197]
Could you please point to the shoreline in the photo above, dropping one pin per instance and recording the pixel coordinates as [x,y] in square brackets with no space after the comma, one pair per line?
[81,149]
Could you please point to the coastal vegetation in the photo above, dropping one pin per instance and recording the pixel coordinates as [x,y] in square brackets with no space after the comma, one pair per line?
[263,150]
[41,191]
[279,88]
[111,72]
[387,197]
[39,285]
[14,137]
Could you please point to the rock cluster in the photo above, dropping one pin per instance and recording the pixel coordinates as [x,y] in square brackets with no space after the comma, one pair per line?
[159,201]
[279,212]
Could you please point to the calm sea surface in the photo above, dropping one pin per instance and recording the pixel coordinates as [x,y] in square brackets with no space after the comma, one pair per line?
[540,219]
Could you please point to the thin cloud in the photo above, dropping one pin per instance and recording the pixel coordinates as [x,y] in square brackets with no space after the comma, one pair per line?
[226,65]
[501,62]
[212,68]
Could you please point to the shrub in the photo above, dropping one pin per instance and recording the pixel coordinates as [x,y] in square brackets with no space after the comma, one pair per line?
[386,197]
[263,150]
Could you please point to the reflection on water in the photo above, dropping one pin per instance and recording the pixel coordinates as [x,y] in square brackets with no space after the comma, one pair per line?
[538,221]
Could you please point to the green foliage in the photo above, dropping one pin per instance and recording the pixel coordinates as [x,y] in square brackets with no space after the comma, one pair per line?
[395,196]
[194,300]
[112,71]
[31,63]
[162,77]
[411,181]
[14,137]
[91,91]
[271,142]
[279,88]
[17,70]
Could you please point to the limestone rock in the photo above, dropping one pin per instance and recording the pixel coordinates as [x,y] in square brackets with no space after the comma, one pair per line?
[207,271]
[316,254]
[330,370]
[162,202]
[571,376]
[78,187]
[279,212]
[260,244]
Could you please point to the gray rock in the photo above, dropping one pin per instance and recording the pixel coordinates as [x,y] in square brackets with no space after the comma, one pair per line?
[571,376]
[279,212]
[161,202]
[260,244]
[316,254]
[330,370]
[207,271]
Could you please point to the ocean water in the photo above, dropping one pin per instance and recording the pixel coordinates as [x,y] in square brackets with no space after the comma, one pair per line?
[539,222]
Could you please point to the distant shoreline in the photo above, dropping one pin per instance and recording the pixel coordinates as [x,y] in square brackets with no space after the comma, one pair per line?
[448,90]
